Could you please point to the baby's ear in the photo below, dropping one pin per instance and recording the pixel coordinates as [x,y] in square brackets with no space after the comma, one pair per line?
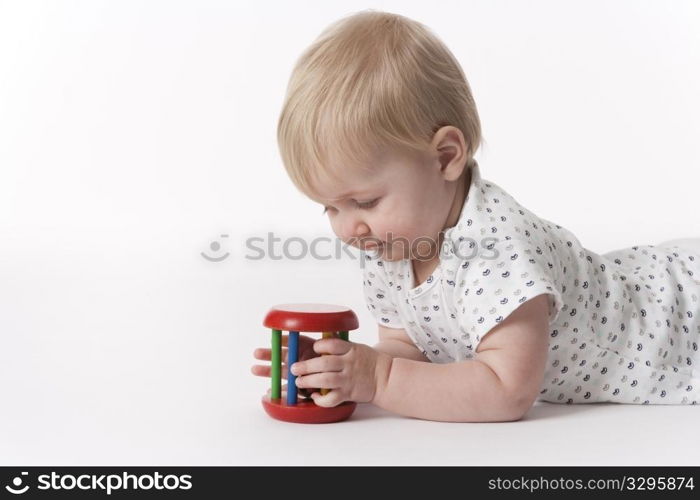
[451,150]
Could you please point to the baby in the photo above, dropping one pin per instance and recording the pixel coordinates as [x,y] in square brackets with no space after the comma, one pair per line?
[482,306]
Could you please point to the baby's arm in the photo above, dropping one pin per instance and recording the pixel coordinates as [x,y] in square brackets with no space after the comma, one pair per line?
[396,343]
[499,384]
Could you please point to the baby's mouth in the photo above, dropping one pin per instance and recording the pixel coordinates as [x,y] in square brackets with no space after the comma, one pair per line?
[373,246]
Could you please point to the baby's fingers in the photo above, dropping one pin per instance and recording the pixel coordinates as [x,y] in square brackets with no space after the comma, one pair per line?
[265,354]
[266,371]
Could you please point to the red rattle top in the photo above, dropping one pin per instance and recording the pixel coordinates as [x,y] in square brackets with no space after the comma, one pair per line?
[311,318]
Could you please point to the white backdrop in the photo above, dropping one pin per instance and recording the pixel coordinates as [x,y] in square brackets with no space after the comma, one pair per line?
[134,134]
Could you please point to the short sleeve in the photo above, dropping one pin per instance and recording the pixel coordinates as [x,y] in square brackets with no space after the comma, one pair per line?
[379,293]
[496,282]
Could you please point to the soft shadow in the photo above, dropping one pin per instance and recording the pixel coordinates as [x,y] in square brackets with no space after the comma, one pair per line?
[543,410]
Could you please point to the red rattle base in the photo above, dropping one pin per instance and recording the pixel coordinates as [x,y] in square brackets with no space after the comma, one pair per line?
[306,411]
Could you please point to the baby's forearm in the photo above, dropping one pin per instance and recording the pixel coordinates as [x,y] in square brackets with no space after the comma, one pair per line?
[467,391]
[398,349]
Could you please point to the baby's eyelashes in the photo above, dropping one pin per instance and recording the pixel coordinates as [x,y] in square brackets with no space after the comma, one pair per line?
[364,205]
[367,204]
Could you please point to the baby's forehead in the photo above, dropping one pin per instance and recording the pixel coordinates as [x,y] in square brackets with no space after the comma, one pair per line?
[338,178]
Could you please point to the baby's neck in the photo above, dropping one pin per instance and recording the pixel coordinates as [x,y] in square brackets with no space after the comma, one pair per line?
[424,267]
[457,203]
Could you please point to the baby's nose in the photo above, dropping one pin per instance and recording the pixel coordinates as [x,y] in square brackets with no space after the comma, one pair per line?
[355,231]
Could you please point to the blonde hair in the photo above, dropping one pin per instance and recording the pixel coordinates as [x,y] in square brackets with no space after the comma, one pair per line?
[371,82]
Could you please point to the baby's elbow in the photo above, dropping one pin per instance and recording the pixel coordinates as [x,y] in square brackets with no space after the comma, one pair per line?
[509,413]
[509,409]
[512,404]
[520,406]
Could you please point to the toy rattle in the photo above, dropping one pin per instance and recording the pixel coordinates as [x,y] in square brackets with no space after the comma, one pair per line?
[327,319]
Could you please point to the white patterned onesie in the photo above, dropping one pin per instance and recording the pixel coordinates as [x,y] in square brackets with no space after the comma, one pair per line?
[624,326]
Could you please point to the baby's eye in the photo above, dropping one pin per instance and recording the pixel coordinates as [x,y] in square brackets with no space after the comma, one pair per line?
[360,204]
[367,204]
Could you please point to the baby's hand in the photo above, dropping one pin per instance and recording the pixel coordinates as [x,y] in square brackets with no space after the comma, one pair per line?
[306,351]
[353,372]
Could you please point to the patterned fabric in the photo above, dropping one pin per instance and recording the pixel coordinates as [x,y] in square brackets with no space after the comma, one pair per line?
[624,326]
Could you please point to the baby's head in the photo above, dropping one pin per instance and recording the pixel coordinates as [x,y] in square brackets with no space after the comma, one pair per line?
[380,127]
